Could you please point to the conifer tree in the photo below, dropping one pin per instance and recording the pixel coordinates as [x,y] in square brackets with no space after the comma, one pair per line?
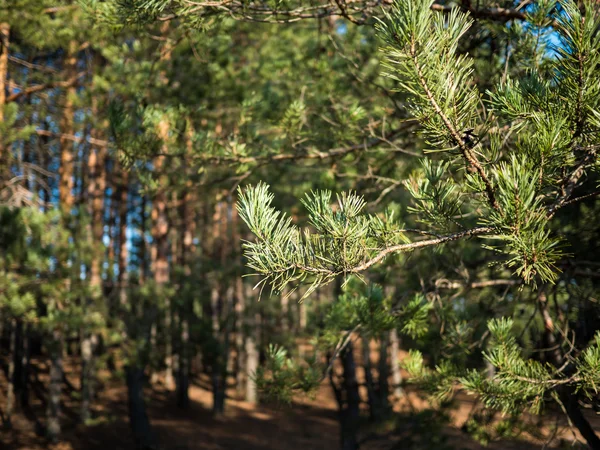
[507,162]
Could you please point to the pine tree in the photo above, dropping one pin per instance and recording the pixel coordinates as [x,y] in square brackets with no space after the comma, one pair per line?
[504,179]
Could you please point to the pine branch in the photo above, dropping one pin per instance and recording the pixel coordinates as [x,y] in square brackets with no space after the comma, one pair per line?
[356,11]
[421,244]
[73,81]
[464,146]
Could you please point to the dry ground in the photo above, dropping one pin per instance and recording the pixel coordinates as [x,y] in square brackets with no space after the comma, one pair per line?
[308,424]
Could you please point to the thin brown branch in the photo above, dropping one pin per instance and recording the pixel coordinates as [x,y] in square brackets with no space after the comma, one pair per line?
[42,87]
[465,148]
[421,244]
[70,137]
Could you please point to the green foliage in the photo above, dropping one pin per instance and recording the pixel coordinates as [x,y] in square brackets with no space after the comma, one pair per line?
[520,382]
[281,377]
[344,237]
[420,50]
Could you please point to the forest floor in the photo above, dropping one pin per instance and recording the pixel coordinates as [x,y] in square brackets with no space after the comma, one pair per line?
[307,424]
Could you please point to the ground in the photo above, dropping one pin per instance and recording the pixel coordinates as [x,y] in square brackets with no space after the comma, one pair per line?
[307,424]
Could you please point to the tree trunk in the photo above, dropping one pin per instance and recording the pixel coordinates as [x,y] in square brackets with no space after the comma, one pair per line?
[88,342]
[348,399]
[96,194]
[374,406]
[252,356]
[122,277]
[160,248]
[4,43]
[383,388]
[66,128]
[218,382]
[10,388]
[188,250]
[240,307]
[138,418]
[54,388]
[24,378]
[395,363]
[567,394]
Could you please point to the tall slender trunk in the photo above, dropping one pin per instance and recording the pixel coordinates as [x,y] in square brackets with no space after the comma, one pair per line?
[89,341]
[24,376]
[240,311]
[66,201]
[252,357]
[160,248]
[383,388]
[138,418]
[374,407]
[53,427]
[285,311]
[4,43]
[216,307]
[302,315]
[123,276]
[188,250]
[568,394]
[348,399]
[66,127]
[10,388]
[395,364]
[142,248]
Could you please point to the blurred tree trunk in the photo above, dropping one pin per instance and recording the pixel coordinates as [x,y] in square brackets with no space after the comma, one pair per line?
[372,399]
[188,249]
[383,388]
[54,389]
[138,418]
[160,247]
[123,276]
[4,45]
[567,394]
[395,363]
[24,376]
[96,193]
[348,399]
[66,200]
[252,341]
[10,375]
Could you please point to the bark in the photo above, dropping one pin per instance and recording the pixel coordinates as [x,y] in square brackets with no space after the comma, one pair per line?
[4,45]
[218,382]
[88,344]
[96,194]
[183,376]
[374,406]
[348,398]
[568,394]
[10,389]
[66,127]
[216,310]
[302,313]
[160,248]
[96,190]
[53,427]
[383,388]
[240,306]
[123,276]
[24,375]
[252,359]
[188,250]
[395,363]
[285,311]
[142,248]
[138,418]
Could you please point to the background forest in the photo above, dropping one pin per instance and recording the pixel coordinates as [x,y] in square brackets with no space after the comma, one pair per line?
[289,224]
